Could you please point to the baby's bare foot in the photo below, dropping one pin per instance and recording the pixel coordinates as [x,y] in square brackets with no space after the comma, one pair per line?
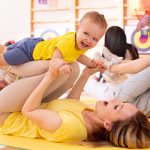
[3,48]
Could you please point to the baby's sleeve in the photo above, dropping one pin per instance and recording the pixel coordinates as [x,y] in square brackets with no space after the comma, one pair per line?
[63,47]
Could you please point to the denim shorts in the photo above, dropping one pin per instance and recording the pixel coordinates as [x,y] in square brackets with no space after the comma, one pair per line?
[21,51]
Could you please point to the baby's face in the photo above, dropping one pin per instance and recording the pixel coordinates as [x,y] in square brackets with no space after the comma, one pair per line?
[88,34]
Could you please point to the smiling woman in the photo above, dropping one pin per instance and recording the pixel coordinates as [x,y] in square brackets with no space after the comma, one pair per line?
[117,109]
[61,120]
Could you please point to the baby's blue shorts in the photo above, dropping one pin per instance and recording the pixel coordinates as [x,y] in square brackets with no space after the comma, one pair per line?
[21,51]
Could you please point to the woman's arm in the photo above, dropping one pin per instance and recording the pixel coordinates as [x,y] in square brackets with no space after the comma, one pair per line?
[131,67]
[34,100]
[75,92]
[46,119]
[77,89]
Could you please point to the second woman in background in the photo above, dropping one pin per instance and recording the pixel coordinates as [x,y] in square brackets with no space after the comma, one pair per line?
[116,43]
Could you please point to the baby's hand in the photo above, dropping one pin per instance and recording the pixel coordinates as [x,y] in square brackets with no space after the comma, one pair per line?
[94,63]
[65,69]
[102,67]
[98,64]
[88,71]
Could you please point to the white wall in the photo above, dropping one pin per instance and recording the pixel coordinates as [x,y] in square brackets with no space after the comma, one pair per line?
[14,19]
[15,16]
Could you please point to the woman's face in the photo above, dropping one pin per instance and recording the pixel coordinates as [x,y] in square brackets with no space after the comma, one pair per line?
[114,110]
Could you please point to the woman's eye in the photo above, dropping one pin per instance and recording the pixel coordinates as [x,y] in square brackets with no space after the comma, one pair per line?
[85,33]
[105,103]
[116,107]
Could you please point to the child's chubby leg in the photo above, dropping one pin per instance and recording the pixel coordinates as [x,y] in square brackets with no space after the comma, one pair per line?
[31,68]
[36,67]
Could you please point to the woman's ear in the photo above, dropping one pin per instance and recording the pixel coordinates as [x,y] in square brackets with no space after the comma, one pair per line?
[107,125]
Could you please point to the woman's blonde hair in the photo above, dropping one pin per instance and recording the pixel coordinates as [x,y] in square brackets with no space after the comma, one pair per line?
[131,133]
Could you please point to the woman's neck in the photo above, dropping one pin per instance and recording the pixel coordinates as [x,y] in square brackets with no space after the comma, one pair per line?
[92,121]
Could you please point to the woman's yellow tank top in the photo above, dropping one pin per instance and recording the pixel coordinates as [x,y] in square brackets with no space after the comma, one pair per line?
[72,128]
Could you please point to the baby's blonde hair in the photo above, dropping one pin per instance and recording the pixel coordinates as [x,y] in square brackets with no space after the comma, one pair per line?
[95,17]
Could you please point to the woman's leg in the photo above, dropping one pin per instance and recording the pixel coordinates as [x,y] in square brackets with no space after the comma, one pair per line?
[134,86]
[143,102]
[14,95]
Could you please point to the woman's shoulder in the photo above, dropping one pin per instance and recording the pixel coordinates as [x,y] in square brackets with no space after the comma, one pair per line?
[69,111]
[67,132]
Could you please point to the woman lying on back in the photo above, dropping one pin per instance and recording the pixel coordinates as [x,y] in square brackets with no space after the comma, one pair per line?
[70,120]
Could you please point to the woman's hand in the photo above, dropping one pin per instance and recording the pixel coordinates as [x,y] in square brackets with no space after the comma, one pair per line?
[54,66]
[90,71]
[34,100]
[80,83]
[93,63]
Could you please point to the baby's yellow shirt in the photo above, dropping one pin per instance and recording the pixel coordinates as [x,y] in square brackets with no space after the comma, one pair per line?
[66,44]
[72,128]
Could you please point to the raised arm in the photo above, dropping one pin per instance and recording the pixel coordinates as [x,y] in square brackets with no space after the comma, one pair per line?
[46,119]
[131,67]
[77,89]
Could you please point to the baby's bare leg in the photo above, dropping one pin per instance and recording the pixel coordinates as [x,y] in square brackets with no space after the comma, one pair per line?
[31,68]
